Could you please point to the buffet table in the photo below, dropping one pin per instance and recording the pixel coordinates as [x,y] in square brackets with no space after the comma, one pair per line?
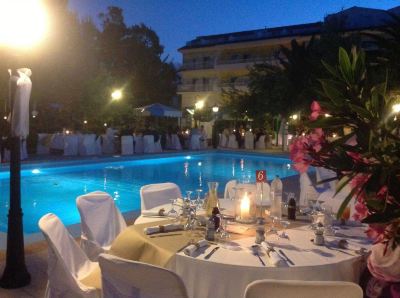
[233,266]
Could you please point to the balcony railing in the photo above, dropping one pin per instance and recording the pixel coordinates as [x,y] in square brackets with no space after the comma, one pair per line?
[271,60]
[198,65]
[197,87]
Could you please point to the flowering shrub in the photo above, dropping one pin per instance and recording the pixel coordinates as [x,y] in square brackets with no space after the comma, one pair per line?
[366,152]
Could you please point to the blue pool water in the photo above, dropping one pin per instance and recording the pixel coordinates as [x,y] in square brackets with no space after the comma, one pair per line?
[52,188]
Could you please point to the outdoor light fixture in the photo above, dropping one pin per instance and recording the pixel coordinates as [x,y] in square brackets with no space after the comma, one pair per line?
[199,105]
[396,108]
[34,113]
[84,121]
[23,23]
[327,115]
[67,132]
[294,117]
[105,124]
[5,117]
[116,94]
[215,109]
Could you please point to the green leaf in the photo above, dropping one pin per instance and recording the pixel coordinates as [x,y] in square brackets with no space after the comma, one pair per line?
[328,122]
[360,111]
[345,66]
[332,92]
[332,70]
[346,202]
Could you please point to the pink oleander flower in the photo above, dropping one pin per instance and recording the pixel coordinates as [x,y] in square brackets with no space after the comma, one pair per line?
[316,110]
[359,180]
[376,232]
[384,262]
[361,211]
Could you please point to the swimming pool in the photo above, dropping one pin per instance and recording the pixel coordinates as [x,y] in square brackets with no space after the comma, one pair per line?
[51,187]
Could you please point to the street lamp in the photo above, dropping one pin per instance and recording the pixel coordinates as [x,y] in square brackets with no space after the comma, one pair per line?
[396,108]
[199,104]
[215,109]
[116,94]
[23,23]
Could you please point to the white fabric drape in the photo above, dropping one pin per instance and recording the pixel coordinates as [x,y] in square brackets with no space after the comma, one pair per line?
[101,222]
[148,144]
[232,142]
[20,111]
[260,144]
[249,140]
[71,145]
[127,145]
[153,195]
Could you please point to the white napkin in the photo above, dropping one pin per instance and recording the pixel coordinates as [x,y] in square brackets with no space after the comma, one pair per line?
[191,249]
[154,212]
[236,229]
[163,229]
[274,258]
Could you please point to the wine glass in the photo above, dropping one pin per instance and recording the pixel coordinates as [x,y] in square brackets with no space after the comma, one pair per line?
[172,212]
[284,224]
[189,194]
[199,201]
[223,227]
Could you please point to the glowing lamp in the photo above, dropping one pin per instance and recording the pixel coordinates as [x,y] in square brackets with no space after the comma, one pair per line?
[396,108]
[116,95]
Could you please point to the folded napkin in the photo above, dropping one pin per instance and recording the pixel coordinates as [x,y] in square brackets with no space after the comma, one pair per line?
[191,249]
[163,229]
[159,212]
[236,229]
[274,258]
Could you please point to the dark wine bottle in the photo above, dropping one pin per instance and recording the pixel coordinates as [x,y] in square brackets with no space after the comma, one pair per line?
[292,209]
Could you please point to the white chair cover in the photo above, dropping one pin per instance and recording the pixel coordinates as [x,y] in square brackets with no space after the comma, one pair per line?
[329,199]
[124,278]
[127,145]
[87,144]
[157,145]
[71,143]
[260,144]
[223,141]
[195,142]
[153,195]
[24,152]
[107,146]
[57,141]
[67,263]
[232,143]
[265,189]
[229,192]
[101,222]
[324,174]
[43,144]
[168,141]
[307,190]
[98,145]
[175,142]
[248,140]
[139,147]
[148,144]
[302,289]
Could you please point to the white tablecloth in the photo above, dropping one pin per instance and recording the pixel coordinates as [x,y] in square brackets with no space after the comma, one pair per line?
[228,272]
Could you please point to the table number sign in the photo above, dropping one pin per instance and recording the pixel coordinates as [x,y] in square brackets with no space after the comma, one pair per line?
[261,176]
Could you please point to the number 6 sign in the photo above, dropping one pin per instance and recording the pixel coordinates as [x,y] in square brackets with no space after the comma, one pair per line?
[261,176]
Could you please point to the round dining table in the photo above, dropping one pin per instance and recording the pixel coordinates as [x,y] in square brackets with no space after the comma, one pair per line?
[231,267]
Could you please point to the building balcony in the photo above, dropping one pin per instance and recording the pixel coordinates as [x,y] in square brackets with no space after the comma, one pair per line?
[198,88]
[198,65]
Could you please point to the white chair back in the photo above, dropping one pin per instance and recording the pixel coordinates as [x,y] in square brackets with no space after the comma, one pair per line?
[249,140]
[153,195]
[302,289]
[107,146]
[195,142]
[307,190]
[324,174]
[123,278]
[138,144]
[67,263]
[101,222]
[263,194]
[148,144]
[223,141]
[71,143]
[98,150]
[229,192]
[87,144]
[57,141]
[157,145]
[24,151]
[175,142]
[127,145]
[260,144]
[43,143]
[232,143]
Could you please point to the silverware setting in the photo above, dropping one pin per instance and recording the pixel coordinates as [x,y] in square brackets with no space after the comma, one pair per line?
[211,253]
[254,249]
[282,254]
[165,235]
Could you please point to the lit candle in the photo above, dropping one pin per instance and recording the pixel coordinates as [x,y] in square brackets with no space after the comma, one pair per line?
[245,207]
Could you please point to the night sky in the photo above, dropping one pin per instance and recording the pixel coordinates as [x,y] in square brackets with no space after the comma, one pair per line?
[178,21]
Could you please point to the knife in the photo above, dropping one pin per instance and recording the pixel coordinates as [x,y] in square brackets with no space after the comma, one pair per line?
[285,257]
[211,253]
[165,235]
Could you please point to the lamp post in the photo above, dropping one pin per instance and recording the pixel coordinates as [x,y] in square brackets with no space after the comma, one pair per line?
[116,95]
[215,110]
[22,24]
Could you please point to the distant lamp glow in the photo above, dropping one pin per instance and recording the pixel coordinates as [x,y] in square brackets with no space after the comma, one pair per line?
[105,124]
[35,171]
[84,121]
[294,117]
[116,94]
[215,109]
[5,117]
[327,115]
[34,113]
[199,105]
[396,108]
[334,135]
[23,23]
[67,132]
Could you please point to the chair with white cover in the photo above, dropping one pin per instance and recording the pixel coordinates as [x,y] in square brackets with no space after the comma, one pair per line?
[223,141]
[87,144]
[263,193]
[148,144]
[107,143]
[248,140]
[127,145]
[232,142]
[43,143]
[138,144]
[157,145]
[230,190]
[71,143]
[24,151]
[70,272]
[260,144]
[123,278]
[101,222]
[175,142]
[227,204]
[302,289]
[307,190]
[155,195]
[325,174]
[195,142]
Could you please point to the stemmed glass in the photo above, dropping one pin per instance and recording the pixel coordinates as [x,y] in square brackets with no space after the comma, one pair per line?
[223,227]
[199,201]
[189,194]
[284,224]
[172,212]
